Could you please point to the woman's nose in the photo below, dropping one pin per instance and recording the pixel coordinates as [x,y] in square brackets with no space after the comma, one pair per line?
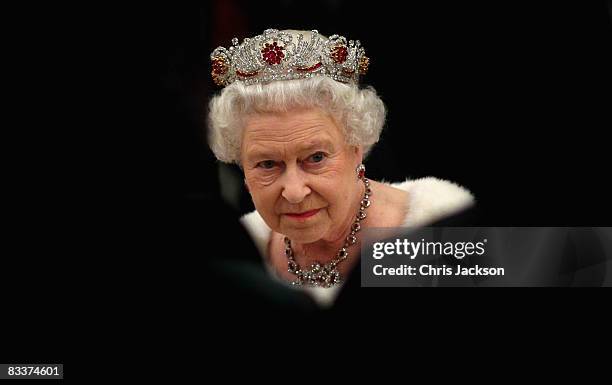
[295,188]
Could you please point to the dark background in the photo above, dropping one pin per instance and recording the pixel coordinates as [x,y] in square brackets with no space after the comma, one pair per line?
[113,189]
[510,99]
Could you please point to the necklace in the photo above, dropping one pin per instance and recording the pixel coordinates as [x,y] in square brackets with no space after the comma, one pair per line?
[327,275]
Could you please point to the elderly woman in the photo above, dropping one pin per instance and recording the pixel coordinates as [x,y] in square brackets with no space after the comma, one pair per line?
[292,116]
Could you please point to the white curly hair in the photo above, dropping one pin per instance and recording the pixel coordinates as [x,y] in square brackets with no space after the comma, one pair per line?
[360,112]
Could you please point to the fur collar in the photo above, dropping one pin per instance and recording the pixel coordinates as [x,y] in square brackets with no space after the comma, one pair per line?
[429,200]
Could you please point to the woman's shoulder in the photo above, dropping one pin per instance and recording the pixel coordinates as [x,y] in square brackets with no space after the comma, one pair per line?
[430,199]
[258,230]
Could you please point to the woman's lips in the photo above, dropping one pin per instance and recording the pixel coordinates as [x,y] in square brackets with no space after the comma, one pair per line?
[305,214]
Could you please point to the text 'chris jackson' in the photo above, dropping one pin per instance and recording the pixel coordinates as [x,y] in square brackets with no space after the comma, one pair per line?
[410,249]
[429,270]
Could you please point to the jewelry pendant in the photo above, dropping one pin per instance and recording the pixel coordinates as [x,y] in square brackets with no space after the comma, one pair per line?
[322,276]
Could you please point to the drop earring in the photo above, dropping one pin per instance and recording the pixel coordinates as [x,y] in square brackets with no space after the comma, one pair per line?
[360,171]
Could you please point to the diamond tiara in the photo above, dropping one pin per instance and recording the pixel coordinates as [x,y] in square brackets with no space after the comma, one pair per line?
[285,55]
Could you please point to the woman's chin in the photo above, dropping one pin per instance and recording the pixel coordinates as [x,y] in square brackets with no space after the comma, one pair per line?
[304,235]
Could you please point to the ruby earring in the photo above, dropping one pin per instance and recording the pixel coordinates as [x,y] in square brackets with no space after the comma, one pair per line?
[360,171]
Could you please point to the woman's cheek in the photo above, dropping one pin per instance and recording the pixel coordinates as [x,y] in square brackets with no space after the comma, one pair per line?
[332,168]
[331,171]
[263,190]
[264,200]
[336,165]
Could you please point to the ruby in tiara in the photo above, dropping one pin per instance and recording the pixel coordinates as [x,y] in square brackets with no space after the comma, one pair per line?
[339,54]
[272,53]
[219,69]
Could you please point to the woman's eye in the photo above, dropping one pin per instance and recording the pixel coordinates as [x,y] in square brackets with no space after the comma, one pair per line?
[317,157]
[267,164]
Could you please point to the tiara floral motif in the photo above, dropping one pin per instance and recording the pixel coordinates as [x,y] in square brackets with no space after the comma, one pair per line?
[281,55]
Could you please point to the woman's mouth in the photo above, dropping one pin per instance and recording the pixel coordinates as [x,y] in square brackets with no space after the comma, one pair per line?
[304,215]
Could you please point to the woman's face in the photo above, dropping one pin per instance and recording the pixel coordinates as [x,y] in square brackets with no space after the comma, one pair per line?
[299,163]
